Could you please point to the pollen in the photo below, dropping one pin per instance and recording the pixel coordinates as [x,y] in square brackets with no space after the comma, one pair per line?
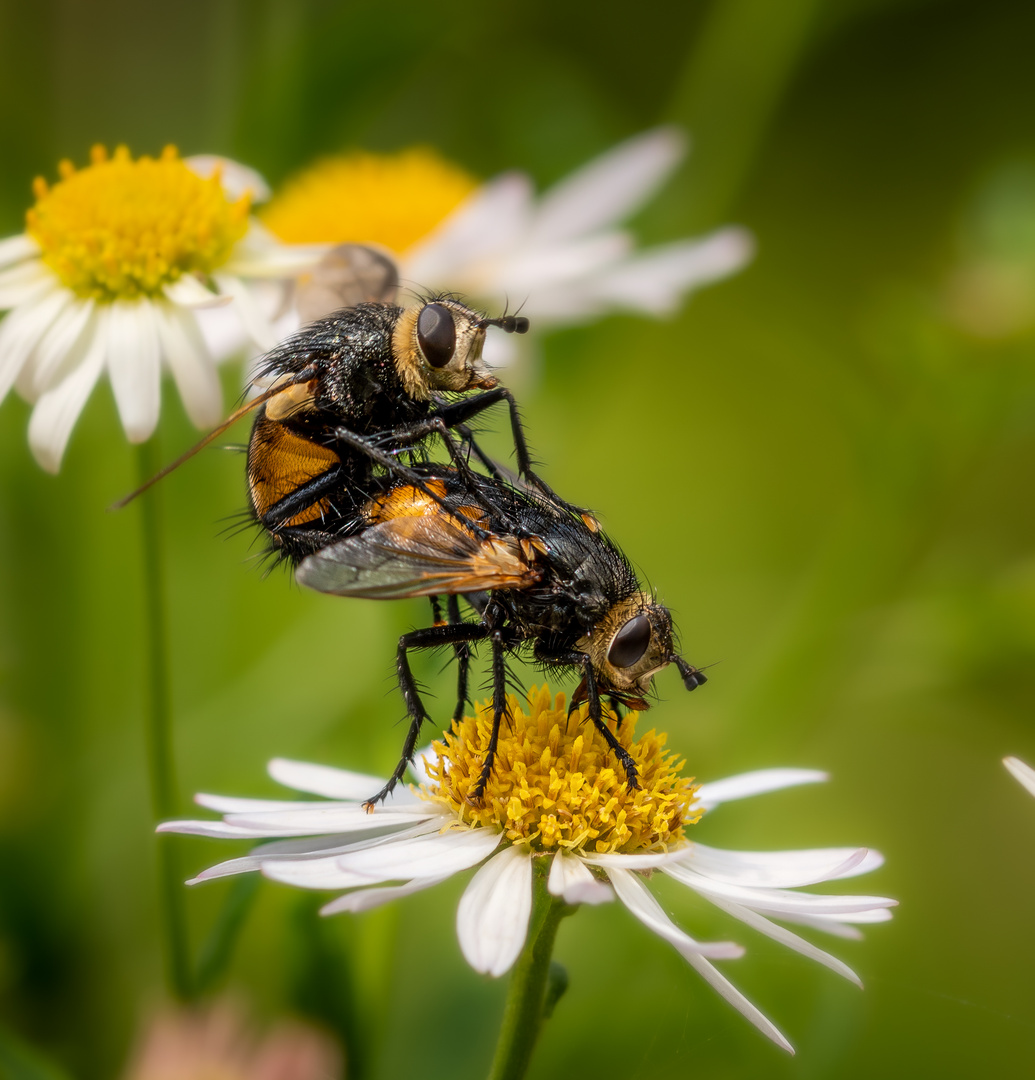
[121,229]
[555,784]
[390,199]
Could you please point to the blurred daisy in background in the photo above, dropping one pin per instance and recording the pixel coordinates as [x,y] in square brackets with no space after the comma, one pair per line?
[117,262]
[561,257]
[214,1042]
[553,796]
[1024,774]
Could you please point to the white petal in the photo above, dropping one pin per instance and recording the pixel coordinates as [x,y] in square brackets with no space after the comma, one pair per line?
[324,868]
[58,409]
[536,273]
[759,782]
[502,350]
[187,357]
[777,901]
[225,804]
[323,818]
[134,366]
[253,319]
[222,333]
[315,874]
[237,179]
[14,249]
[571,879]
[261,255]
[187,291]
[480,231]
[218,829]
[438,855]
[21,284]
[840,925]
[791,940]
[23,329]
[1024,773]
[638,899]
[366,899]
[611,187]
[657,280]
[830,925]
[310,847]
[229,804]
[334,783]
[492,918]
[872,915]
[648,860]
[63,346]
[873,860]
[776,869]
[719,982]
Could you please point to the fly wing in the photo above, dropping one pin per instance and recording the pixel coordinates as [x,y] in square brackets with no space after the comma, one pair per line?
[347,275]
[417,556]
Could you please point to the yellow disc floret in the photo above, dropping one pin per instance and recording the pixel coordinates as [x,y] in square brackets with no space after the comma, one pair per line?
[121,229]
[388,199]
[555,784]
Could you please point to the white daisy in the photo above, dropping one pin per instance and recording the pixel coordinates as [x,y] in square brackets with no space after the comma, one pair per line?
[110,275]
[561,256]
[1025,774]
[554,795]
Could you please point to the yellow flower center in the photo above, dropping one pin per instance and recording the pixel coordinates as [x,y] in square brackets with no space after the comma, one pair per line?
[555,784]
[388,199]
[121,229]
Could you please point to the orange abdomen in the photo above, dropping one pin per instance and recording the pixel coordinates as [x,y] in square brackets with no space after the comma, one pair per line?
[279,462]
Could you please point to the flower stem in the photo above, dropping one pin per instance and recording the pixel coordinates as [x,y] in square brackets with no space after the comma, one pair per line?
[523,1013]
[158,728]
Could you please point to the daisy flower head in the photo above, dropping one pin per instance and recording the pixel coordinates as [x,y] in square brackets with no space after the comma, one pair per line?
[1023,774]
[116,264]
[555,807]
[562,255]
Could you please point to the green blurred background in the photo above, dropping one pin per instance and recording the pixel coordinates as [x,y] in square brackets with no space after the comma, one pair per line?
[824,465]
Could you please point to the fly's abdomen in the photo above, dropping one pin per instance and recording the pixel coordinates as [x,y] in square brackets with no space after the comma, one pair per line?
[279,462]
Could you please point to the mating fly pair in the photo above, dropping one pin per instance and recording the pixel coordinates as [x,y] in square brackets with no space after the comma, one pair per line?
[352,394]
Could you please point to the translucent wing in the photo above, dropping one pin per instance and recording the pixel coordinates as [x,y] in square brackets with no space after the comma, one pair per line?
[418,556]
[347,275]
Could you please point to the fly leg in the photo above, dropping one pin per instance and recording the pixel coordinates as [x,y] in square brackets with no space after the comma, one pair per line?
[454,414]
[615,706]
[459,451]
[499,710]
[463,660]
[592,695]
[304,496]
[429,638]
[380,457]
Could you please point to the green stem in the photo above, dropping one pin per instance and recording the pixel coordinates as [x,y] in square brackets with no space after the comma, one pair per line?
[158,728]
[523,1013]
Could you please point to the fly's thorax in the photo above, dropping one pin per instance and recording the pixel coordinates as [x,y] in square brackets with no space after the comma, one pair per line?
[350,352]
[629,644]
[437,345]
